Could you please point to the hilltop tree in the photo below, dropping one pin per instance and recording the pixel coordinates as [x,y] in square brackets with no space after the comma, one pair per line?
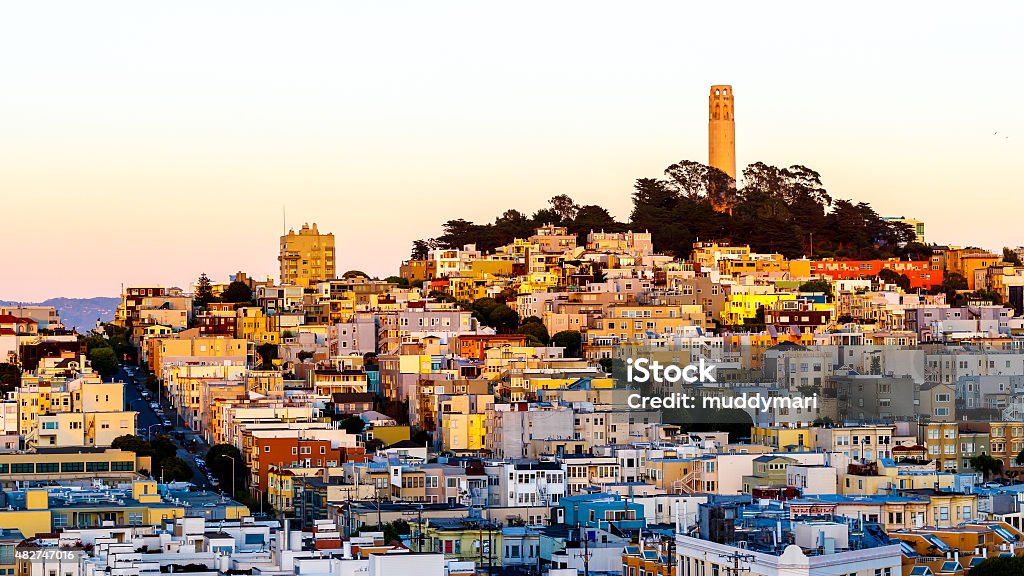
[776,209]
[592,217]
[563,207]
[1011,257]
[420,250]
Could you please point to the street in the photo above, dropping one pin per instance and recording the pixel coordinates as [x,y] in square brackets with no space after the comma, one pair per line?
[149,422]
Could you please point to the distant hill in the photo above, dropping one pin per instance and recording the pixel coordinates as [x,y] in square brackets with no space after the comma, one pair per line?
[80,313]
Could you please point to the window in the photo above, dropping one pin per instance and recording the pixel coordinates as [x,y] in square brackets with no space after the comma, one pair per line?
[97,466]
[47,467]
[72,466]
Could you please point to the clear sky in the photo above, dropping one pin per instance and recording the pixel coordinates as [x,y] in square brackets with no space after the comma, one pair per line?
[144,143]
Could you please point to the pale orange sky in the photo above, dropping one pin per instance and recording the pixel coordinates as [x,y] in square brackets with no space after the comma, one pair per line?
[144,144]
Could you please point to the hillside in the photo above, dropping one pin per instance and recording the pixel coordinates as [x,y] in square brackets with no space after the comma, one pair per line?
[80,313]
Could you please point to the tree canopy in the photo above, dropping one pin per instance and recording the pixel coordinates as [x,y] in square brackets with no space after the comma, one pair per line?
[219,461]
[571,340]
[772,209]
[237,293]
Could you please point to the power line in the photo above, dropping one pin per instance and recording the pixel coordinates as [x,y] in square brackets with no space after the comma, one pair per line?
[736,558]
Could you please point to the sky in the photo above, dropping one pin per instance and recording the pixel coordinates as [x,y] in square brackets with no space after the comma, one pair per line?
[145,143]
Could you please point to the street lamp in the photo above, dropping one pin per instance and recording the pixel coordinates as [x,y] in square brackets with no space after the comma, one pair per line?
[149,430]
[233,486]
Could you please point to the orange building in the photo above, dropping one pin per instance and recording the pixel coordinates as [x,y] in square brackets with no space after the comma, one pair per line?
[474,345]
[922,274]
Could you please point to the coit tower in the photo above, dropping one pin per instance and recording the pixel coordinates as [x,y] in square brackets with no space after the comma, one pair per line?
[722,130]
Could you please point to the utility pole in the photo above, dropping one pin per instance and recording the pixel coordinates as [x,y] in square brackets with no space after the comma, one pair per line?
[586,552]
[736,558]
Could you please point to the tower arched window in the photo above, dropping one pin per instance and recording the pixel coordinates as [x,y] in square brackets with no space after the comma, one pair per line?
[717,111]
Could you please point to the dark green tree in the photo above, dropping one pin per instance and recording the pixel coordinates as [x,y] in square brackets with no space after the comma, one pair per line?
[219,461]
[1011,257]
[267,354]
[953,282]
[204,292]
[420,250]
[503,319]
[564,207]
[592,218]
[237,293]
[822,286]
[398,280]
[534,326]
[10,377]
[986,465]
[482,308]
[353,424]
[1020,458]
[892,277]
[132,443]
[355,274]
[999,566]
[571,340]
[175,469]
[104,361]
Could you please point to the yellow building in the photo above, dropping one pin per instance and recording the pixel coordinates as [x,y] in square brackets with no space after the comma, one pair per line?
[253,325]
[306,257]
[468,288]
[71,464]
[624,323]
[387,434]
[744,306]
[280,489]
[77,412]
[191,344]
[38,511]
[782,439]
[462,421]
[460,538]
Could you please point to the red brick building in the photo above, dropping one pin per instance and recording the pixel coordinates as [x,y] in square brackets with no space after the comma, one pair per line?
[294,452]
